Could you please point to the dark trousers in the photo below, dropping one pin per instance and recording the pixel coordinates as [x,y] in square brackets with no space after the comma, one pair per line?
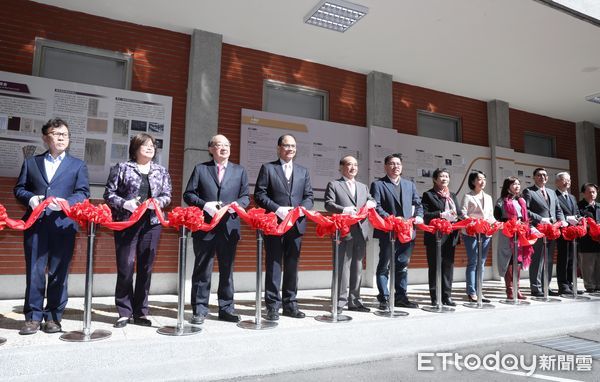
[47,247]
[135,245]
[283,254]
[447,268]
[205,251]
[564,264]
[536,270]
[402,258]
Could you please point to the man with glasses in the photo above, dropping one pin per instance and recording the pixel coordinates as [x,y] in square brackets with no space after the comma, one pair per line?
[398,197]
[543,207]
[49,243]
[213,184]
[281,186]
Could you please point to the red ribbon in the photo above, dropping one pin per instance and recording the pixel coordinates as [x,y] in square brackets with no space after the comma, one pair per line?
[551,231]
[257,218]
[482,227]
[594,229]
[525,236]
[573,232]
[443,226]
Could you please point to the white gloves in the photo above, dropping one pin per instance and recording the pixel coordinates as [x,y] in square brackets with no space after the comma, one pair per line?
[131,205]
[151,206]
[545,221]
[54,204]
[371,204]
[282,212]
[350,210]
[211,208]
[448,215]
[563,223]
[572,220]
[418,220]
[35,201]
[231,210]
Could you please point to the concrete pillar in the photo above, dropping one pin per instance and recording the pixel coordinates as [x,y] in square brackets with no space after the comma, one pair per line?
[379,100]
[586,153]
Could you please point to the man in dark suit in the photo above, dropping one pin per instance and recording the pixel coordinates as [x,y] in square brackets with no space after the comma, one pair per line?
[543,207]
[213,184]
[346,195]
[281,186]
[49,243]
[564,260]
[398,197]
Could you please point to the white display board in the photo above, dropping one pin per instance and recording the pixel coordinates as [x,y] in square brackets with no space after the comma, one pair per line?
[101,121]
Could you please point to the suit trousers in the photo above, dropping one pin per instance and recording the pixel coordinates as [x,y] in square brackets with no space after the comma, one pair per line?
[564,264]
[590,270]
[350,256]
[402,257]
[283,254]
[447,269]
[536,269]
[135,246]
[224,248]
[51,248]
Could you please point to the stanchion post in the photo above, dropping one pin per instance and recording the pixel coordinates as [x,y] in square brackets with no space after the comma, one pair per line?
[258,323]
[515,263]
[181,329]
[335,317]
[391,312]
[86,335]
[479,275]
[439,306]
[545,281]
[575,295]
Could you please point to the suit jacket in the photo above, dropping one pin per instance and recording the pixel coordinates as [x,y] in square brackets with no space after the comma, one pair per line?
[123,184]
[70,182]
[433,206]
[538,208]
[203,186]
[273,191]
[586,243]
[568,210]
[471,207]
[337,196]
[389,203]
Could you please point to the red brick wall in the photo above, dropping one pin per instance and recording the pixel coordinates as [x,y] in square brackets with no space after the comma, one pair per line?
[242,73]
[160,66]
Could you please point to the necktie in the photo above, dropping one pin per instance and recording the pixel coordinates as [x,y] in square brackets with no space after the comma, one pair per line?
[352,188]
[220,172]
[569,202]
[545,194]
[287,168]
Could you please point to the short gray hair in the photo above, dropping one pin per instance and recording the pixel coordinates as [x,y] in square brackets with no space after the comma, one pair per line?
[562,174]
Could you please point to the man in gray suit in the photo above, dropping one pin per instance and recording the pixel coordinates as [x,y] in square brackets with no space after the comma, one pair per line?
[542,207]
[346,195]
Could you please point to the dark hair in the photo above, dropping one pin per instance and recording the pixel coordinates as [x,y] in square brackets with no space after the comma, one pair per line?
[506,185]
[137,141]
[438,171]
[280,140]
[473,177]
[53,123]
[342,161]
[587,185]
[392,156]
[538,170]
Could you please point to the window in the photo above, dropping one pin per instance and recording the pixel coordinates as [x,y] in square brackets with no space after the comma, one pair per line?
[438,126]
[539,144]
[77,63]
[297,100]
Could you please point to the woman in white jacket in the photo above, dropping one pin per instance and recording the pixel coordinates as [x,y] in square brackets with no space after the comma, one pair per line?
[477,205]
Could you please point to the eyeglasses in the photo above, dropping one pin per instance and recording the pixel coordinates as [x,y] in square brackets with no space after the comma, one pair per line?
[394,164]
[288,146]
[221,145]
[542,175]
[149,145]
[59,135]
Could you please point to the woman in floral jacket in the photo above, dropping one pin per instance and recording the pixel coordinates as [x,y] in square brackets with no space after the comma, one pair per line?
[129,184]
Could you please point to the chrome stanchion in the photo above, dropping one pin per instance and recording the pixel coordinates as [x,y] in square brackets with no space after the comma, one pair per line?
[575,296]
[181,329]
[390,312]
[86,335]
[545,281]
[439,307]
[515,263]
[479,274]
[334,317]
[258,323]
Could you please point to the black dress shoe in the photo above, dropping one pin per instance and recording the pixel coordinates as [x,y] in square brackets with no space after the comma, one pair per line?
[293,313]
[359,308]
[537,294]
[142,321]
[52,327]
[197,319]
[405,303]
[383,305]
[553,293]
[448,302]
[30,327]
[229,317]
[483,299]
[121,322]
[565,291]
[272,315]
[579,291]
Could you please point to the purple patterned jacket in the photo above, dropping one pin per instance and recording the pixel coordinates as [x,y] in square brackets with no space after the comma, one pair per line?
[124,182]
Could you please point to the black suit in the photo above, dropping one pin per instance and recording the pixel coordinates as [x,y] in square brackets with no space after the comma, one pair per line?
[272,191]
[433,206]
[564,260]
[203,187]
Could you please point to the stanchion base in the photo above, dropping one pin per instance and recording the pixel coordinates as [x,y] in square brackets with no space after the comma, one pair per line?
[475,305]
[261,325]
[438,309]
[329,318]
[576,297]
[2,341]
[185,330]
[513,302]
[79,336]
[545,299]
[595,294]
[390,314]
